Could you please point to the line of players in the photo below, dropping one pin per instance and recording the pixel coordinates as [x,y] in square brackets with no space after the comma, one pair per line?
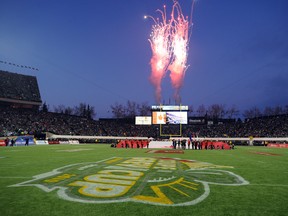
[133,144]
[181,144]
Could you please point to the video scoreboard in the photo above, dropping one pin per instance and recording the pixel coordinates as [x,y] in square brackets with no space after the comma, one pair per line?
[169,114]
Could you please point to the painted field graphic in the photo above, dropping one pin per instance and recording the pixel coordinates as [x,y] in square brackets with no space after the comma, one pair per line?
[150,180]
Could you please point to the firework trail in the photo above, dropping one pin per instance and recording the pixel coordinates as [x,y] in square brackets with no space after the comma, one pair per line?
[161,51]
[180,41]
[169,43]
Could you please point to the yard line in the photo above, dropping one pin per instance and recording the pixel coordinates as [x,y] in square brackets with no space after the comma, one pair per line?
[7,166]
[261,162]
[11,177]
[270,185]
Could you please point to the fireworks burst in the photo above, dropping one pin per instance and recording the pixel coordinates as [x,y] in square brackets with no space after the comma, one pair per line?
[169,42]
[161,51]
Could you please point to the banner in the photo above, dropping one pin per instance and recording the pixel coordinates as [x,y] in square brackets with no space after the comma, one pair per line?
[53,142]
[277,145]
[41,142]
[21,140]
[74,142]
[2,143]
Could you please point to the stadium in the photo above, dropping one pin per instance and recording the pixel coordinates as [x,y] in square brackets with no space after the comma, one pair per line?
[62,64]
[56,163]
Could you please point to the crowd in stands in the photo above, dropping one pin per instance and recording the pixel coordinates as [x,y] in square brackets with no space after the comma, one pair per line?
[19,87]
[13,121]
[25,121]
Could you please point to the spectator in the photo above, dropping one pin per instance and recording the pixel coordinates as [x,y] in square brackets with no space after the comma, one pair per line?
[30,122]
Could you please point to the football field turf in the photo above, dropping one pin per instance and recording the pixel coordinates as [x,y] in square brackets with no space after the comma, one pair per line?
[95,179]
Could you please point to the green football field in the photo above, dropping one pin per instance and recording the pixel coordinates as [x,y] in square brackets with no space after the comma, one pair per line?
[96,179]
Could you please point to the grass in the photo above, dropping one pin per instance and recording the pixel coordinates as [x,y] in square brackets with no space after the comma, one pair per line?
[266,193]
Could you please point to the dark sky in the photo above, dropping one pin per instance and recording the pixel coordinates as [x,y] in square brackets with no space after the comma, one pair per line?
[97,52]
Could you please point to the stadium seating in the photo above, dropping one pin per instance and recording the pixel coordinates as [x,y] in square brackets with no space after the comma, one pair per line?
[24,121]
[19,87]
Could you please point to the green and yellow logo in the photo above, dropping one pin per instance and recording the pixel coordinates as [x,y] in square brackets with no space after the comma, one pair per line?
[156,181]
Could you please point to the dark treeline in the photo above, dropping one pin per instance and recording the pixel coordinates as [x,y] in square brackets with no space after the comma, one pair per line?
[132,109]
[214,111]
[82,110]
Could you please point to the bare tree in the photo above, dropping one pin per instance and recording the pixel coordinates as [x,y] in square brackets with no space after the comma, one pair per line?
[268,111]
[216,111]
[90,112]
[59,109]
[191,110]
[118,110]
[278,110]
[68,111]
[144,109]
[44,107]
[253,112]
[131,109]
[232,112]
[286,110]
[201,111]
[81,109]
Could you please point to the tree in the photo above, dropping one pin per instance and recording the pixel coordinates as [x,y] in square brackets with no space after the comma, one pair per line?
[216,111]
[118,110]
[59,109]
[253,112]
[44,107]
[85,110]
[268,111]
[286,110]
[201,111]
[91,112]
[68,111]
[144,109]
[278,110]
[191,110]
[232,112]
[131,109]
[80,110]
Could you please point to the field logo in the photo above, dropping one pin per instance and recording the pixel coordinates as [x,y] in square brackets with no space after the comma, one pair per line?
[156,181]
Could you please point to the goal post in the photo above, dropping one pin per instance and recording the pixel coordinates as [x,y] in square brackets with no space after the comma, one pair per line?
[170,119]
[176,130]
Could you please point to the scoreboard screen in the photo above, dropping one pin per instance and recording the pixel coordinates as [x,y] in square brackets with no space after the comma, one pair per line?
[176,117]
[143,120]
[169,114]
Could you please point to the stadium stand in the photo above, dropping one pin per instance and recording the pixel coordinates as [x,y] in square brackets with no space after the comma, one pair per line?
[26,121]
[19,91]
[19,121]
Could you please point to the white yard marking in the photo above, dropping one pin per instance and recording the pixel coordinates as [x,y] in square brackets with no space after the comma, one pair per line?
[270,185]
[73,150]
[14,177]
